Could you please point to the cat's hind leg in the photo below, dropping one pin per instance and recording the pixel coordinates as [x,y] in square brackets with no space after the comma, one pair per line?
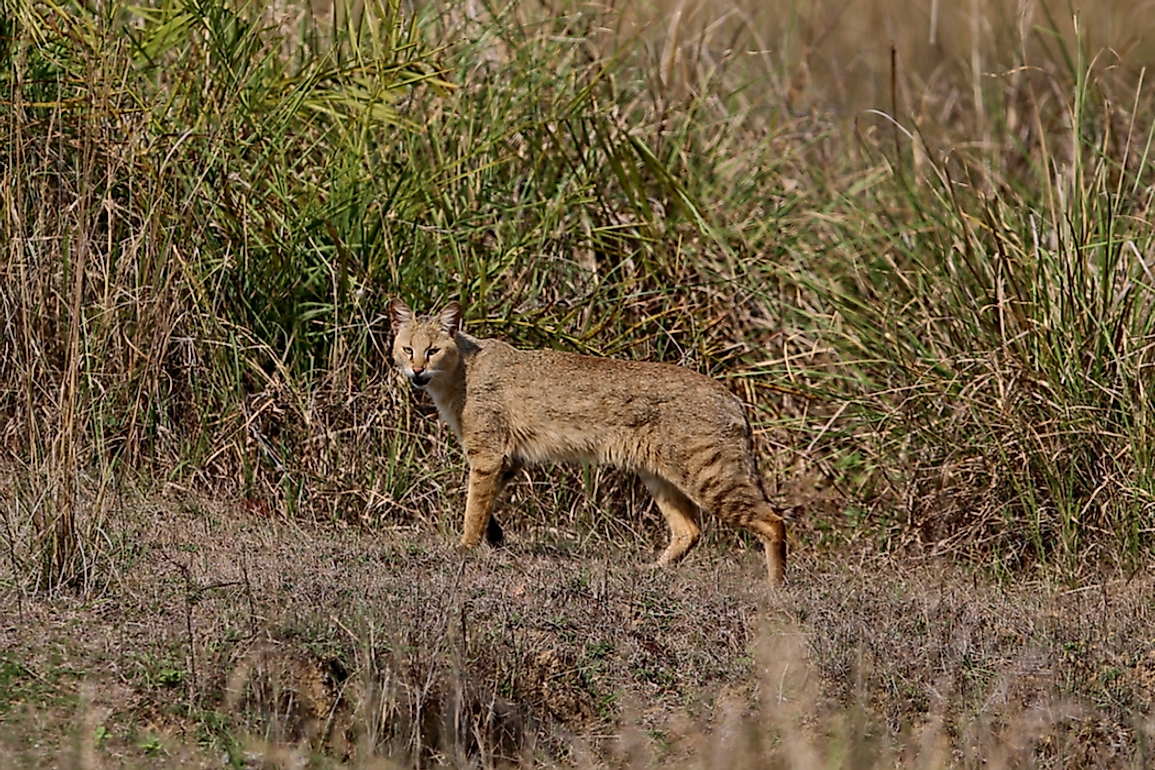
[681,514]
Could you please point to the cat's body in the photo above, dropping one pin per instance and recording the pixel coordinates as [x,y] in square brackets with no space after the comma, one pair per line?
[683,433]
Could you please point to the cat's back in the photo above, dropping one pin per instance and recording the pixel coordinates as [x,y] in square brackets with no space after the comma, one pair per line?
[594,388]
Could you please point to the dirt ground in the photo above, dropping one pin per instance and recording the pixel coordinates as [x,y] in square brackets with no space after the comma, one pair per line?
[222,635]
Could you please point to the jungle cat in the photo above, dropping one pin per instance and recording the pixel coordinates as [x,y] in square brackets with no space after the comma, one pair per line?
[684,434]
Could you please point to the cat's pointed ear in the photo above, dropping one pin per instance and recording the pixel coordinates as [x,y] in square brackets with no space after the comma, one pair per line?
[399,314]
[450,318]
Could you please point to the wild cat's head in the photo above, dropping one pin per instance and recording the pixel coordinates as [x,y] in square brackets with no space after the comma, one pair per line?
[424,346]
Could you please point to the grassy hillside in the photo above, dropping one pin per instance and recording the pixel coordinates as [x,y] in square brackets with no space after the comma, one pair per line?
[915,238]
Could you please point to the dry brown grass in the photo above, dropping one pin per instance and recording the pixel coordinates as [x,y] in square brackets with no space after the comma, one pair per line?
[231,633]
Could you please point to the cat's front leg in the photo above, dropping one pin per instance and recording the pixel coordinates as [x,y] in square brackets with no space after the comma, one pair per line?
[484,483]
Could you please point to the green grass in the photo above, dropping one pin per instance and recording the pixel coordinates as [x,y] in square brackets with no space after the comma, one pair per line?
[940,303]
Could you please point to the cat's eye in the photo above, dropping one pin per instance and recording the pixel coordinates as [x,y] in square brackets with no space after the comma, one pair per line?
[432,351]
[408,352]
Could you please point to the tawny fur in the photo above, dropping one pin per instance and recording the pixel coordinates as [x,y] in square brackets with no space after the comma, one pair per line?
[684,434]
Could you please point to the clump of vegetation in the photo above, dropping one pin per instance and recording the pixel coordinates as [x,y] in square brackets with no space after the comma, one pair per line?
[917,242]
[942,302]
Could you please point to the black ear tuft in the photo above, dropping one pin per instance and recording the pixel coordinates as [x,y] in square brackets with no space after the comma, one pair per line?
[450,318]
[399,314]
